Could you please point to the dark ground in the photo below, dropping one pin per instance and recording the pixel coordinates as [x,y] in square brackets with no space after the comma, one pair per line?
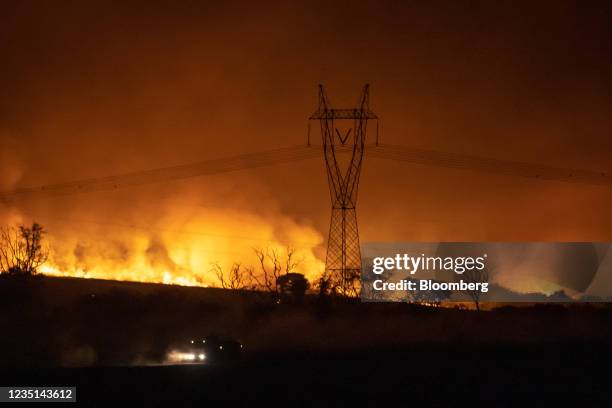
[105,338]
[496,377]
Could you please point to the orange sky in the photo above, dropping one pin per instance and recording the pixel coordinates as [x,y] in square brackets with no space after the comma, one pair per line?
[98,89]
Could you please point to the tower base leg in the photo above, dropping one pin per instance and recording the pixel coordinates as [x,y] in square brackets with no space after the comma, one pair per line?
[343,263]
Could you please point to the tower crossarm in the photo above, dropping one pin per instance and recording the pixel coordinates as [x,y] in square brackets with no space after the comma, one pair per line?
[333,114]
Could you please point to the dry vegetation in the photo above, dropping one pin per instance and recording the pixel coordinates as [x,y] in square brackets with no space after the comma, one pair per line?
[63,321]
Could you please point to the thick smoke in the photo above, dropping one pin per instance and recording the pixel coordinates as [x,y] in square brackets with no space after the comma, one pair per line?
[167,233]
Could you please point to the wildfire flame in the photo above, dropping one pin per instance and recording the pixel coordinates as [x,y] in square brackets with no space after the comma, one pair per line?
[178,255]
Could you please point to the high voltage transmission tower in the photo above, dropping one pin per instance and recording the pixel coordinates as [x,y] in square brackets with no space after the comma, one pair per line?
[343,133]
[342,130]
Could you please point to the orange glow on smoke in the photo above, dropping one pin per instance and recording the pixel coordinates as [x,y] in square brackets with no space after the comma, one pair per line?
[178,248]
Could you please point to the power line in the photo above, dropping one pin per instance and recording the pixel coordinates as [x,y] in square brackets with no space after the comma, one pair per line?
[489,165]
[165,174]
[298,153]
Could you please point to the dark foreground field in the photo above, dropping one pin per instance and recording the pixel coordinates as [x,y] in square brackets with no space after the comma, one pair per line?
[110,339]
[495,377]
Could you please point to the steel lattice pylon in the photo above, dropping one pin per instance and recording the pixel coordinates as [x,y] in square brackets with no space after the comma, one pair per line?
[343,261]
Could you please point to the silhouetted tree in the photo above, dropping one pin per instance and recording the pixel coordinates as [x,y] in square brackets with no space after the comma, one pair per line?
[293,286]
[323,305]
[323,285]
[271,268]
[236,278]
[21,249]
[475,276]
